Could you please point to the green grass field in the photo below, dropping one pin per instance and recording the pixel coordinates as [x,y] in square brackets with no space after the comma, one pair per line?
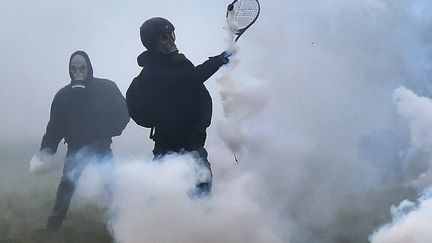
[23,219]
[26,201]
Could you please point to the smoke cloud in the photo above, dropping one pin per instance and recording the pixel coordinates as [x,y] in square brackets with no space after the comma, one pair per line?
[418,113]
[411,222]
[411,219]
[44,162]
[324,143]
[313,113]
[153,202]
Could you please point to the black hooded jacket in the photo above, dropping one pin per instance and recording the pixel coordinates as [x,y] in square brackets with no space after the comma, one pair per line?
[169,95]
[85,116]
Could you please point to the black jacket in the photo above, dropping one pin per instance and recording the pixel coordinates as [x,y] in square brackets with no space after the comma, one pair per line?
[169,94]
[86,116]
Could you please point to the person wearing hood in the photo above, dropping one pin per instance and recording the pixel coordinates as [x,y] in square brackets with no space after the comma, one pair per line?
[86,113]
[169,96]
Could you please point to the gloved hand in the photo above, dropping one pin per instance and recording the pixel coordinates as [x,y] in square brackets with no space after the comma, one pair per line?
[43,162]
[224,56]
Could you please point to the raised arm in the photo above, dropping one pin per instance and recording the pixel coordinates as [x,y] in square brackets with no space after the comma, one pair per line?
[204,71]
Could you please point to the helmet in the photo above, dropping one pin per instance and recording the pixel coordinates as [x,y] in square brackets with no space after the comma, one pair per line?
[152,28]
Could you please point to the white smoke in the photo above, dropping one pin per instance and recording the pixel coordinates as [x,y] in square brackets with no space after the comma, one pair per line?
[305,105]
[296,108]
[293,110]
[94,186]
[43,162]
[411,221]
[418,113]
[152,202]
[240,100]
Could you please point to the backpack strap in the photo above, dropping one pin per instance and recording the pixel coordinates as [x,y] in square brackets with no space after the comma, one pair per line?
[152,133]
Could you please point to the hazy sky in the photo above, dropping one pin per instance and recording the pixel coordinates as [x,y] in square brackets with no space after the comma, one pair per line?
[38,37]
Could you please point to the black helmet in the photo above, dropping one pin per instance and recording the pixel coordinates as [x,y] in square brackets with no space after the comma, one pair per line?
[152,28]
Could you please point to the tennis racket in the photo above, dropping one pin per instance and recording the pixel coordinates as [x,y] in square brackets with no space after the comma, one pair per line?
[242,14]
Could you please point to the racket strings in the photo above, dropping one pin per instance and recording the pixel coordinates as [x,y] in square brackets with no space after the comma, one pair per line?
[245,12]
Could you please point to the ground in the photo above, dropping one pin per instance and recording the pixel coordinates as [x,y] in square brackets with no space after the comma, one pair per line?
[26,201]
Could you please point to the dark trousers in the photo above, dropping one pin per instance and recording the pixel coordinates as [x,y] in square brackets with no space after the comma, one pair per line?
[204,186]
[75,162]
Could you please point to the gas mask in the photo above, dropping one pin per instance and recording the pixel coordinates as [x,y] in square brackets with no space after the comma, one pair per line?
[78,68]
[165,43]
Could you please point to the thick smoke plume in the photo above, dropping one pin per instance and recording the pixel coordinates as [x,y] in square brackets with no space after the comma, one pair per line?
[313,113]
[418,113]
[152,202]
[411,220]
[306,106]
[43,162]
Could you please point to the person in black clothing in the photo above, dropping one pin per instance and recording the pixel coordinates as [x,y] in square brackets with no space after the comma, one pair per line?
[86,113]
[169,96]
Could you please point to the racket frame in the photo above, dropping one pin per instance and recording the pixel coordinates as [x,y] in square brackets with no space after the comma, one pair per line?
[240,32]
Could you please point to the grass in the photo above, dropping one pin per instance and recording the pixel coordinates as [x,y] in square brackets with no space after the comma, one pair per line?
[23,219]
[26,202]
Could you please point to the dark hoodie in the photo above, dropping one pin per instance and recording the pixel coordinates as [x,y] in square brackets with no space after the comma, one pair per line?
[169,94]
[85,113]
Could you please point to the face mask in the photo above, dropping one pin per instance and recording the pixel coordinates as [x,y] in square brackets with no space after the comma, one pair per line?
[165,43]
[78,68]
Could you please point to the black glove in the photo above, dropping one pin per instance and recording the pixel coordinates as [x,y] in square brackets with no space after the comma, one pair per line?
[225,57]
